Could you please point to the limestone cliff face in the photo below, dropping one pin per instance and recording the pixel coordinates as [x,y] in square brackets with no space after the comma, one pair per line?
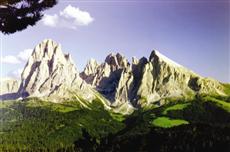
[49,72]
[89,71]
[9,85]
[105,76]
[163,78]
[148,81]
[124,88]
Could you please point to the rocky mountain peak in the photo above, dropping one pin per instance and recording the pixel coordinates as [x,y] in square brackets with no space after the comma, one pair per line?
[134,60]
[47,70]
[147,81]
[116,61]
[48,50]
[156,56]
[91,67]
[89,71]
[100,75]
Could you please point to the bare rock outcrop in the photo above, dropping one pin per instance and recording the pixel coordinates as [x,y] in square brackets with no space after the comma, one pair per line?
[163,78]
[49,72]
[148,81]
[9,88]
[89,71]
[9,85]
[105,77]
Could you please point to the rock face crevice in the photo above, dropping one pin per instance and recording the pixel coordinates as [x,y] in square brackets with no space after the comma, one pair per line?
[193,84]
[106,76]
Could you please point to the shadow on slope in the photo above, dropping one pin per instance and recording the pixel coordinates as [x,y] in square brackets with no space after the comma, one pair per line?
[9,96]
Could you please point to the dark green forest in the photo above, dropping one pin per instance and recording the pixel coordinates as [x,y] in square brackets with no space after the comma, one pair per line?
[201,124]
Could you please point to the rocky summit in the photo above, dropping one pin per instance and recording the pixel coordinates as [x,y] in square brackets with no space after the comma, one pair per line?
[146,81]
[49,73]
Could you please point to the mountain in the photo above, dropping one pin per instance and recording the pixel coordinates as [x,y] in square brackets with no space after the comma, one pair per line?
[146,82]
[149,104]
[49,73]
[105,76]
[9,85]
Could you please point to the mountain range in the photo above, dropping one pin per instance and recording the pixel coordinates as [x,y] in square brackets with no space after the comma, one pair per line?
[49,73]
[148,104]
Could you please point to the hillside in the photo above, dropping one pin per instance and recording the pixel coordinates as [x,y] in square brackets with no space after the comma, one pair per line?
[151,104]
[33,124]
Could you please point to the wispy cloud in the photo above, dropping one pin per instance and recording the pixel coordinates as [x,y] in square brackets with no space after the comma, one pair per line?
[25,54]
[10,59]
[15,74]
[18,59]
[70,17]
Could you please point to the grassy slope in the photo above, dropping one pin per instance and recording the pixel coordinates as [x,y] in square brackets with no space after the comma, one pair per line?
[176,107]
[218,102]
[36,124]
[43,125]
[166,122]
[204,109]
[175,113]
[227,88]
[196,125]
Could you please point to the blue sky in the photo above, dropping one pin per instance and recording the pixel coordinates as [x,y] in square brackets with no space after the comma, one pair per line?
[193,33]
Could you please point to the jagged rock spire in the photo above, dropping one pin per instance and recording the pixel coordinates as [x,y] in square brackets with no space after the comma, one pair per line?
[47,70]
[148,81]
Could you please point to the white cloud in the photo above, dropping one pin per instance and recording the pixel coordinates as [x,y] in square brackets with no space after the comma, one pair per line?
[25,54]
[80,17]
[10,59]
[15,74]
[18,59]
[50,20]
[71,17]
